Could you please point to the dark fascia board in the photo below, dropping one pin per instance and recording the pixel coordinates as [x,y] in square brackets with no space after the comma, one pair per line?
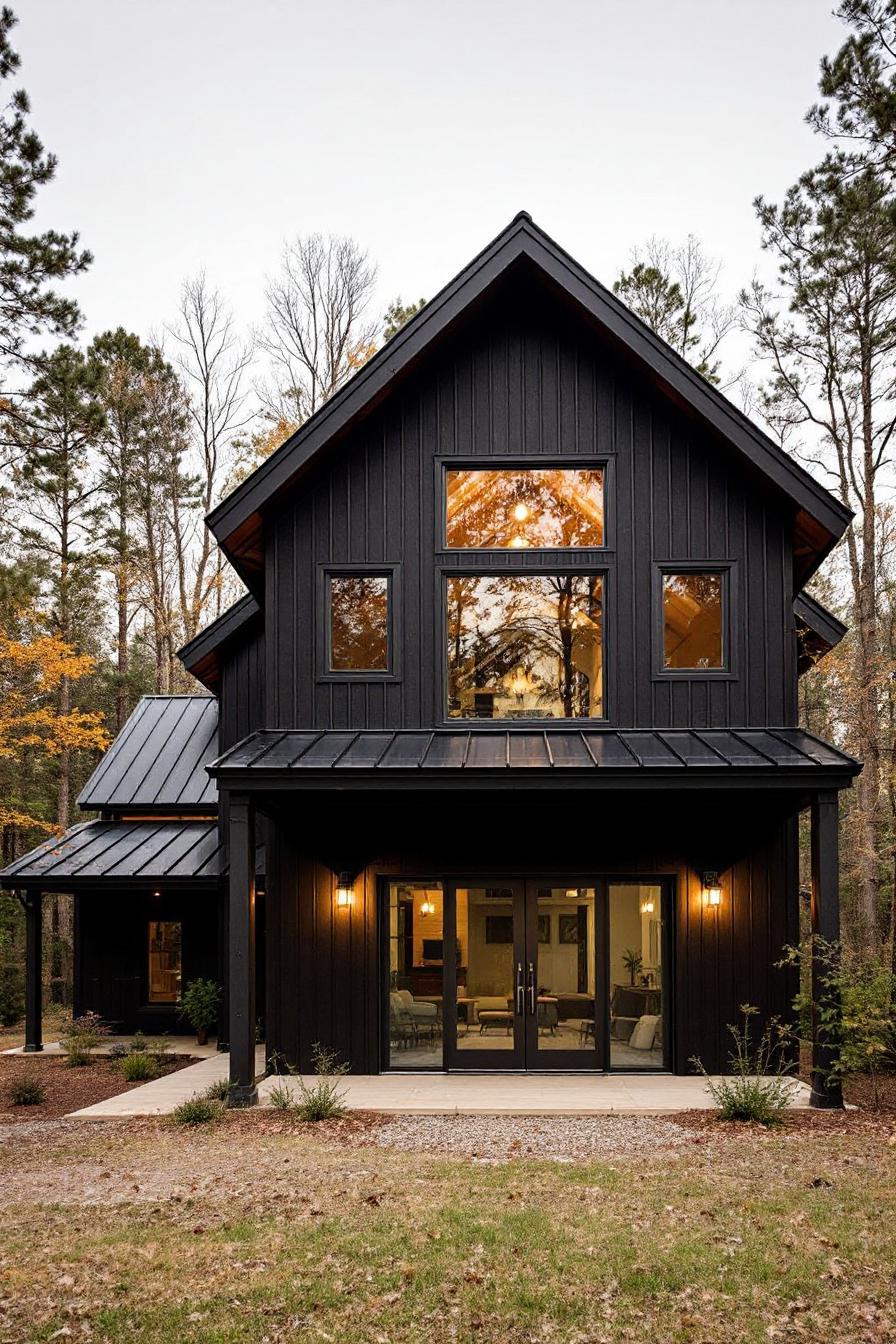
[823,623]
[200,654]
[523,240]
[255,781]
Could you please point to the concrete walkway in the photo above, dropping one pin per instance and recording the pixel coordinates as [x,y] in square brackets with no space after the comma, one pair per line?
[441,1093]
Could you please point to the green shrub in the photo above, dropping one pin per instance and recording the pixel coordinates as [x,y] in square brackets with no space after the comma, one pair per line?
[82,1036]
[197,1111]
[324,1100]
[199,1004]
[27,1092]
[760,1086]
[218,1091]
[855,1009]
[281,1098]
[138,1043]
[138,1068]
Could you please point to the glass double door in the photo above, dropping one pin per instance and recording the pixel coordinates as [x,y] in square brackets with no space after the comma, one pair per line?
[521,957]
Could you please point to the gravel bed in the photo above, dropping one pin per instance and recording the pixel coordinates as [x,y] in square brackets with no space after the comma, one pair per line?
[500,1138]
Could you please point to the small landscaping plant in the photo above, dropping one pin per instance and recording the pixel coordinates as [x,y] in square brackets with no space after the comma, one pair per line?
[139,1067]
[199,1005]
[27,1092]
[82,1036]
[324,1100]
[218,1091]
[197,1111]
[760,1086]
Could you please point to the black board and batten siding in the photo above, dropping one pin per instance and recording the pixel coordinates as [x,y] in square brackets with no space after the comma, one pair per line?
[242,689]
[523,379]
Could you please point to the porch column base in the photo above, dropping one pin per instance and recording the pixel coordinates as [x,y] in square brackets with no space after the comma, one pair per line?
[242,1097]
[31,1049]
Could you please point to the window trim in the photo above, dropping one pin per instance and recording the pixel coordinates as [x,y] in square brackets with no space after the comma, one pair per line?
[444,462]
[487,571]
[365,570]
[727,569]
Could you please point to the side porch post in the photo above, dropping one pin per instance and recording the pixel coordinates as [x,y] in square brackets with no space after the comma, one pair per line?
[33,903]
[827,1092]
[242,951]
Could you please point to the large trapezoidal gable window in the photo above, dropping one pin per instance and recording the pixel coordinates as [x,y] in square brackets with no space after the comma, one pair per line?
[524,508]
[694,620]
[164,960]
[525,646]
[358,623]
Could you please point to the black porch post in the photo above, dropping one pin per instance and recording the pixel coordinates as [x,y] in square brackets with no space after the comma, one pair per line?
[826,1091]
[242,951]
[224,967]
[33,901]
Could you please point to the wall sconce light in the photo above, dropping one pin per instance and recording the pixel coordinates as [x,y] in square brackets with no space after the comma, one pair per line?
[157,893]
[712,889]
[345,894]
[647,906]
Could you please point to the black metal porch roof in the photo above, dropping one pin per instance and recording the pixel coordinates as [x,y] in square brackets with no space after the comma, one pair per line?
[532,757]
[158,758]
[123,853]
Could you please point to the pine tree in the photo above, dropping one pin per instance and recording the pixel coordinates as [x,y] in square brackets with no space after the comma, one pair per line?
[29,263]
[60,422]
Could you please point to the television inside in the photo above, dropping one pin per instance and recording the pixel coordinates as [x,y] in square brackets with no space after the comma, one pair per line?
[432,949]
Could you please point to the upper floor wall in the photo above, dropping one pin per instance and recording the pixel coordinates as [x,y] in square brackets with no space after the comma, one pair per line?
[522,381]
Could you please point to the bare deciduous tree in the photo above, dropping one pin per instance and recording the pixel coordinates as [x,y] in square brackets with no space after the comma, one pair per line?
[316,333]
[215,364]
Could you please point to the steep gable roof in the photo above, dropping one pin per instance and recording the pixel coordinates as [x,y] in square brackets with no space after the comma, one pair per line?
[237,521]
[201,655]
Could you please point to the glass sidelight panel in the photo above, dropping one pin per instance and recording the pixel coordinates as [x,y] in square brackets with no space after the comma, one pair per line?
[416,966]
[486,969]
[164,961]
[565,969]
[637,991]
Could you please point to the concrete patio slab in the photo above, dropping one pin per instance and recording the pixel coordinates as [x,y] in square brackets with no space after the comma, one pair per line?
[441,1093]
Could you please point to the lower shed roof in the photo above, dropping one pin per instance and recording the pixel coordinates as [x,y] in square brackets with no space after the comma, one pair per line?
[533,757]
[122,852]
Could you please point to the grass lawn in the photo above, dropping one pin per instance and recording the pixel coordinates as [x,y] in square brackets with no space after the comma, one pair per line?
[262,1230]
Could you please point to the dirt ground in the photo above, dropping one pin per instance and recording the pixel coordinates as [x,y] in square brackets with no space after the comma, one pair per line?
[376,1230]
[66,1089]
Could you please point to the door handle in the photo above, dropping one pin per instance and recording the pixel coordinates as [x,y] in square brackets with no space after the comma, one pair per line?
[532,988]
[520,992]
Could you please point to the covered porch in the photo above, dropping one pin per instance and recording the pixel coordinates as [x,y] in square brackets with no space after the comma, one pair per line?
[674,803]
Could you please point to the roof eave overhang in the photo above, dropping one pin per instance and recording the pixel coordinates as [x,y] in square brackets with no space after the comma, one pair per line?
[201,655]
[255,781]
[237,521]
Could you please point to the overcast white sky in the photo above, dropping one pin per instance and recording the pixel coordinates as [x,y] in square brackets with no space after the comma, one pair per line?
[202,132]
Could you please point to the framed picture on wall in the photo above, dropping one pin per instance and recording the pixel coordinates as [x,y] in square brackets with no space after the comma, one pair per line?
[544,928]
[499,928]
[567,928]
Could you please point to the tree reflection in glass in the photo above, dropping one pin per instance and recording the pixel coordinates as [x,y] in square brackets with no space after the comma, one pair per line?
[525,646]
[524,508]
[692,621]
[359,623]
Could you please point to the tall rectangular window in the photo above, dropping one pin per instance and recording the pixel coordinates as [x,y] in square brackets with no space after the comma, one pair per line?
[524,507]
[525,646]
[693,624]
[358,623]
[416,960]
[164,961]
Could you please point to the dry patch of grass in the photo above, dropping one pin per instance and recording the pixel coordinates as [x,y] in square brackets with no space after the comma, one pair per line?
[243,1233]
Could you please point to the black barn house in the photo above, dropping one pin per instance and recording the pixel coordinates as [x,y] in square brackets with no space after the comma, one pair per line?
[500,767]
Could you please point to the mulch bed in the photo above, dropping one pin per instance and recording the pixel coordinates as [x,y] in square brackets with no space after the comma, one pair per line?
[66,1089]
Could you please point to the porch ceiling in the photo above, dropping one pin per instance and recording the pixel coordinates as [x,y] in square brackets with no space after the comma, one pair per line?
[533,758]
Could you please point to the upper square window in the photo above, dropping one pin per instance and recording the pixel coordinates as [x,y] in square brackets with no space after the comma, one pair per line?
[693,621]
[524,508]
[359,623]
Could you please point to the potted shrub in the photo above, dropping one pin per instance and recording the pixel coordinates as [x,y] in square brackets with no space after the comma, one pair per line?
[199,1005]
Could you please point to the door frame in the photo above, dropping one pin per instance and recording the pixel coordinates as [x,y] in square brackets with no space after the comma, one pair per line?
[497,1061]
[454,1059]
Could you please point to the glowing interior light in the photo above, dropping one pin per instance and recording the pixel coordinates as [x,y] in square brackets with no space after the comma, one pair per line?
[521,512]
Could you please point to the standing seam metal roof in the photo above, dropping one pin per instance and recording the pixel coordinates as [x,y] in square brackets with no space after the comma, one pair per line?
[158,759]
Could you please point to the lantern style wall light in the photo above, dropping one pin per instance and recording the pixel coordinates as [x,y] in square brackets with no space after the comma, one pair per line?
[345,892]
[647,907]
[712,889]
